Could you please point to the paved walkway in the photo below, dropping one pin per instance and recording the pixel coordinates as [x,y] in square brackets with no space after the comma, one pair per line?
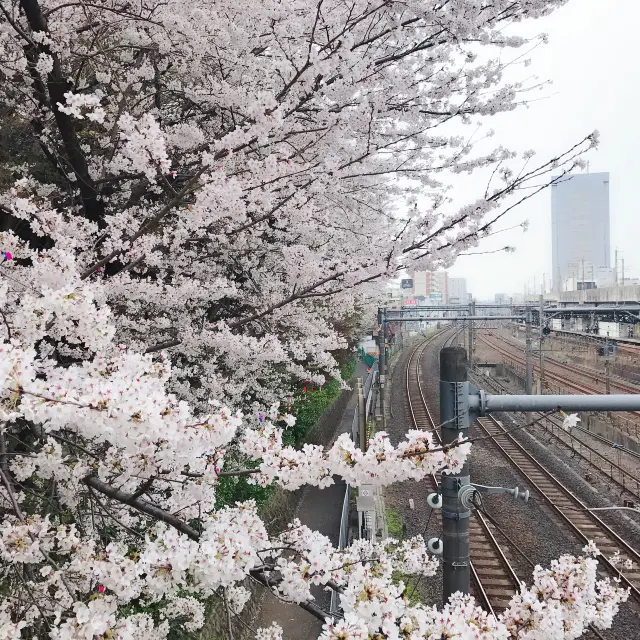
[319,509]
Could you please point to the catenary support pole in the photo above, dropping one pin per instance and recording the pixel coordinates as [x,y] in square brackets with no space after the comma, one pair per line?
[382,362]
[541,312]
[454,415]
[527,352]
[362,421]
[472,312]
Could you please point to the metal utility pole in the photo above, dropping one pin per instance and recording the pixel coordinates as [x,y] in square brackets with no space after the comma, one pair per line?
[454,414]
[460,405]
[362,418]
[616,269]
[472,312]
[527,352]
[382,360]
[607,373]
[541,312]
[622,271]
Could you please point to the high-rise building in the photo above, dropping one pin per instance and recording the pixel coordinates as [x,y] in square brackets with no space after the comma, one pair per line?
[457,291]
[579,224]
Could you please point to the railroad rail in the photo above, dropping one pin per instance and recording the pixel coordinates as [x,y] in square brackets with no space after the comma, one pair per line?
[494,578]
[510,352]
[568,507]
[627,481]
[562,380]
[599,376]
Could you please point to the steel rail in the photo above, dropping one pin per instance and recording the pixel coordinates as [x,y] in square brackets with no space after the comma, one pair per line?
[623,473]
[491,589]
[614,380]
[591,434]
[584,390]
[572,512]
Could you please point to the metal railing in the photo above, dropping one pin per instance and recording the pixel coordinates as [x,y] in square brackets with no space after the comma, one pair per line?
[345,519]
[370,378]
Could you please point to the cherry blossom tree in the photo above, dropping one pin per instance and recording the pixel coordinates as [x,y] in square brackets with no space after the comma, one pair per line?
[209,191]
[110,528]
[241,179]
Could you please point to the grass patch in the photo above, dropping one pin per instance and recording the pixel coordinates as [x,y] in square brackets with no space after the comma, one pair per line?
[308,407]
[395,525]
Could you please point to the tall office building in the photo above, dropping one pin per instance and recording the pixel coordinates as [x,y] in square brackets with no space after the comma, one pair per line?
[579,224]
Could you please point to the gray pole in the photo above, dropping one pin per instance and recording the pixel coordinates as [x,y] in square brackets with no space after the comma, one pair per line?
[382,361]
[362,422]
[472,312]
[484,403]
[541,312]
[527,353]
[454,394]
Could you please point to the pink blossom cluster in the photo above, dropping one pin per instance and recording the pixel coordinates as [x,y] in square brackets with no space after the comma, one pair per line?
[216,197]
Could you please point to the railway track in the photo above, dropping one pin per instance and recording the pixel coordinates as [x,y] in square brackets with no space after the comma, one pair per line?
[615,382]
[627,481]
[563,380]
[494,578]
[511,352]
[567,507]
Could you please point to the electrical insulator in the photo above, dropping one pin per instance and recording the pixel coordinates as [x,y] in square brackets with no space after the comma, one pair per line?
[434,500]
[435,546]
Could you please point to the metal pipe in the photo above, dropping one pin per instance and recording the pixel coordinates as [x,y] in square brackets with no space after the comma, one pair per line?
[382,362]
[541,322]
[472,313]
[583,308]
[362,418]
[488,403]
[432,318]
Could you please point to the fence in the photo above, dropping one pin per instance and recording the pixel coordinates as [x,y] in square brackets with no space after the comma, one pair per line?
[369,389]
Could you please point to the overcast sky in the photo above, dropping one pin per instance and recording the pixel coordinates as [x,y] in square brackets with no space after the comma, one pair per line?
[592,60]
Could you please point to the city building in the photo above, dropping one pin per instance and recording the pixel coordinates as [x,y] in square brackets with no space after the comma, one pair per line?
[430,286]
[579,225]
[457,291]
[585,275]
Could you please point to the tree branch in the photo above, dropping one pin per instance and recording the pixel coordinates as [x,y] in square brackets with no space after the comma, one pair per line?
[144,507]
[57,86]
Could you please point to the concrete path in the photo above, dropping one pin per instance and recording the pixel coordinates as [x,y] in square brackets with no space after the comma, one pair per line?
[319,509]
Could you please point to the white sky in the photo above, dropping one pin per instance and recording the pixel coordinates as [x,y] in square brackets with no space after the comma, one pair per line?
[592,60]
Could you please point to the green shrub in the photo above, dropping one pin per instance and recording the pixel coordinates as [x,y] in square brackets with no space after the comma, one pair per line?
[307,408]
